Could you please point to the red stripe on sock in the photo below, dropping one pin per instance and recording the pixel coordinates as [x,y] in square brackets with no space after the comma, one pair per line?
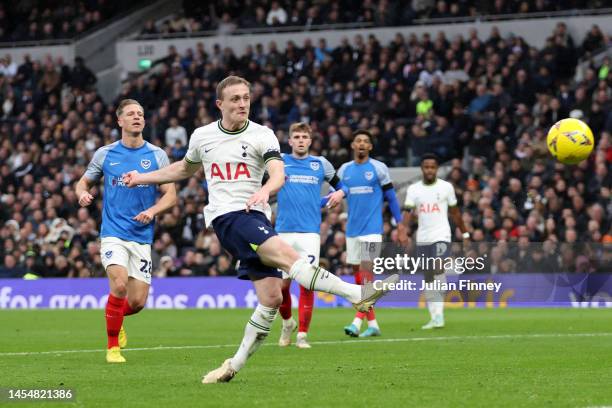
[305,308]
[114,319]
[285,307]
[370,314]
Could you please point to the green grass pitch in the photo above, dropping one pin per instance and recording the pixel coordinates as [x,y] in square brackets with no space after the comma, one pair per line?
[484,357]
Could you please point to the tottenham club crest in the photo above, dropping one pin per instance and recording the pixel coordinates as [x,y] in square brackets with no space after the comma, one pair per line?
[145,164]
[108,254]
[314,166]
[369,175]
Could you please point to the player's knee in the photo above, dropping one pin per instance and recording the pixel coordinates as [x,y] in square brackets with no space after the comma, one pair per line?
[119,288]
[273,300]
[138,305]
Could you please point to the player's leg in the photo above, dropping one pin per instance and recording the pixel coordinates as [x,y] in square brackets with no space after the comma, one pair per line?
[360,253]
[288,325]
[118,282]
[435,300]
[115,260]
[354,328]
[251,238]
[269,295]
[308,248]
[373,328]
[139,282]
[137,294]
[306,305]
[435,297]
[241,234]
[278,254]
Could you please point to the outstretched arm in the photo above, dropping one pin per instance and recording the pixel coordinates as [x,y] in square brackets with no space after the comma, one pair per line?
[166,201]
[176,171]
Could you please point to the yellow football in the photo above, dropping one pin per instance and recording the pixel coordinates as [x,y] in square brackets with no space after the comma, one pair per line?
[570,141]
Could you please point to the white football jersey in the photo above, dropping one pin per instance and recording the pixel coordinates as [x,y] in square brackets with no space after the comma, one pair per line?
[234,164]
[431,203]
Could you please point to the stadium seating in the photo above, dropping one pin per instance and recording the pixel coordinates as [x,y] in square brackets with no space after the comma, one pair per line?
[60,20]
[226,15]
[483,104]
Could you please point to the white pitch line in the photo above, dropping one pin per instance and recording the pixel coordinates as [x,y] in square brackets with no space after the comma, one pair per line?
[329,342]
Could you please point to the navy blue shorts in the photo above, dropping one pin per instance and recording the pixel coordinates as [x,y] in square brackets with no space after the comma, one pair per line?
[241,233]
[440,249]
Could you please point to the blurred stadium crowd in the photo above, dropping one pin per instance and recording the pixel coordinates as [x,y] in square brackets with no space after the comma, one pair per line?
[39,20]
[226,16]
[482,104]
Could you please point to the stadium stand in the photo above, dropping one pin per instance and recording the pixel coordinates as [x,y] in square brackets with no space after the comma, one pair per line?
[227,15]
[56,20]
[483,104]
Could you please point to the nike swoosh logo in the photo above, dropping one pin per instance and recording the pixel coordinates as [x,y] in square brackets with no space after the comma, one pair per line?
[208,150]
[114,164]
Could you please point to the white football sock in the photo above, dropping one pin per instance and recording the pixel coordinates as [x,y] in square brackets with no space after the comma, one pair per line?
[357,322]
[255,332]
[435,298]
[317,278]
[373,323]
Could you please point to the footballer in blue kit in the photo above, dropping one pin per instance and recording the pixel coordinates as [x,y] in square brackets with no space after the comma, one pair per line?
[368,183]
[127,219]
[298,220]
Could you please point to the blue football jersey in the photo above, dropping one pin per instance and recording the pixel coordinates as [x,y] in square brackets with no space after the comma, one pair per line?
[122,204]
[299,201]
[365,198]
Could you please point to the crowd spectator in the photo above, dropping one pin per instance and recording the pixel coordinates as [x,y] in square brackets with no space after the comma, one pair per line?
[226,15]
[62,19]
[469,99]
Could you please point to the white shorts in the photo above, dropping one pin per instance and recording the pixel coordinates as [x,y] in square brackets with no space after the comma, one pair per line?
[134,257]
[357,249]
[307,245]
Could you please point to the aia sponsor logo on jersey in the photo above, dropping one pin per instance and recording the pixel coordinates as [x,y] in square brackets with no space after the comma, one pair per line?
[427,208]
[229,171]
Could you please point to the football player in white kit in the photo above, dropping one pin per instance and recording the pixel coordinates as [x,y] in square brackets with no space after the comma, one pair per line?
[235,152]
[432,200]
